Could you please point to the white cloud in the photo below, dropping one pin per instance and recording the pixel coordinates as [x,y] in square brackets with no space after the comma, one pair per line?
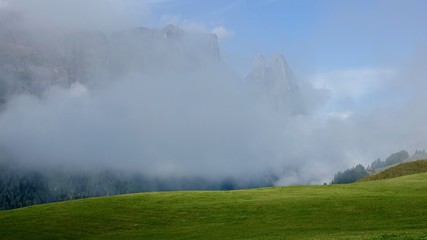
[353,82]
[79,14]
[354,89]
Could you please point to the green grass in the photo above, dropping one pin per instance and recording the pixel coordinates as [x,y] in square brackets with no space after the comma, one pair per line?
[402,169]
[387,209]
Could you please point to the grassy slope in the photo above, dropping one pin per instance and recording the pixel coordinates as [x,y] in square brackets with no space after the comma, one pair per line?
[402,169]
[386,209]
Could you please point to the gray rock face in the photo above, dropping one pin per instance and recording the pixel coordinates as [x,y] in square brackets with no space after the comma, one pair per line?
[276,81]
[31,60]
[171,42]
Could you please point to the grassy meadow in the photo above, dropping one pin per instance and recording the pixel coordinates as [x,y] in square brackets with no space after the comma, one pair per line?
[385,209]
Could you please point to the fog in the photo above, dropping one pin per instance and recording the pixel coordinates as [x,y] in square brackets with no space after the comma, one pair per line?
[78,14]
[173,109]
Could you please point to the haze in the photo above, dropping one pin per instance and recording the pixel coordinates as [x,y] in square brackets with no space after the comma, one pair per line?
[182,107]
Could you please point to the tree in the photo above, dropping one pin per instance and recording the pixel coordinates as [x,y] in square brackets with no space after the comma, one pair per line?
[350,175]
[377,164]
[396,158]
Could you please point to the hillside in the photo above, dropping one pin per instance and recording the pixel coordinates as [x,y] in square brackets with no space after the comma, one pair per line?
[402,169]
[387,209]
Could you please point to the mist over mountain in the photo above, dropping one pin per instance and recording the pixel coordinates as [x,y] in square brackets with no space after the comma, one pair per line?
[276,80]
[156,101]
[105,94]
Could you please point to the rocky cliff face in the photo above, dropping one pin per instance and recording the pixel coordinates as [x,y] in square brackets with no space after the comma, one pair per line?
[276,81]
[30,61]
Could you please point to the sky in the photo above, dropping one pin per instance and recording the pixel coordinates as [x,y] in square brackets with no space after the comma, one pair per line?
[368,56]
[349,47]
[316,36]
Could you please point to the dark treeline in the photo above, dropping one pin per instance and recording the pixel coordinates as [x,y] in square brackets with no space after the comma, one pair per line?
[20,187]
[350,175]
[358,172]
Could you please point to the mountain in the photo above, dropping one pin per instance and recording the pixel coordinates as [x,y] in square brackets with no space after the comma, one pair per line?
[276,80]
[173,108]
[31,60]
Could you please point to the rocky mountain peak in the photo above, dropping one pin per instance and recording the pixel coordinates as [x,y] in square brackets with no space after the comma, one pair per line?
[274,77]
[257,74]
[27,62]
[275,80]
[282,73]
